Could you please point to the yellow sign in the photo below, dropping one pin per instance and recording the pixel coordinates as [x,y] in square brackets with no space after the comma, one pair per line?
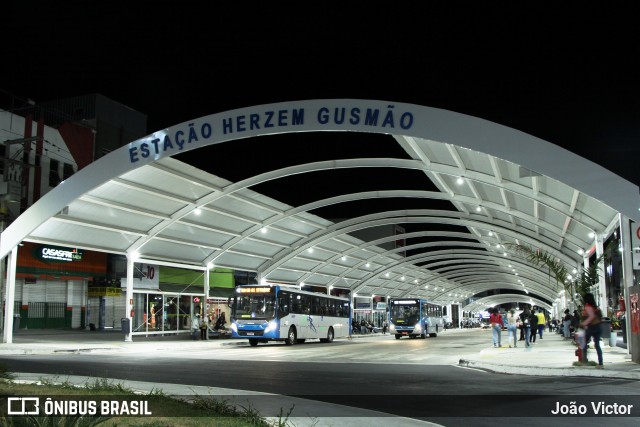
[104,292]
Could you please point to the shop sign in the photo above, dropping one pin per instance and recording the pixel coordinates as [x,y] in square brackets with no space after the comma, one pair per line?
[381,306]
[145,276]
[104,292]
[635,243]
[50,254]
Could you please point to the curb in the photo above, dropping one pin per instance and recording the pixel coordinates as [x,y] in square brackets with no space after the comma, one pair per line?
[568,371]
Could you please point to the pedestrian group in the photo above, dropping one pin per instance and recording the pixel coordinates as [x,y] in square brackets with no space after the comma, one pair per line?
[531,323]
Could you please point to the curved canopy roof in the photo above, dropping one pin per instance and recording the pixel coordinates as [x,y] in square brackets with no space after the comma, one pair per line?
[481,304]
[505,187]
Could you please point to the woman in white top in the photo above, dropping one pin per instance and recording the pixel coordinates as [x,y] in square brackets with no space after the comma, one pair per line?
[512,328]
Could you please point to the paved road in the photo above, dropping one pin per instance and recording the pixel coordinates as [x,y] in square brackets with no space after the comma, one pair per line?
[413,378]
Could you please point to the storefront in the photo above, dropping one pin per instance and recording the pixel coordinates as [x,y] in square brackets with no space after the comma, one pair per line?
[52,285]
[372,310]
[59,288]
[165,299]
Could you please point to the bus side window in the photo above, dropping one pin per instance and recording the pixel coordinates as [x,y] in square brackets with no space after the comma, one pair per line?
[283,307]
[331,309]
[306,304]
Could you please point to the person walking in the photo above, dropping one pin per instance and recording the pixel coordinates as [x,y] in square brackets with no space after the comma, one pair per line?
[195,326]
[512,327]
[593,329]
[496,325]
[533,318]
[542,321]
[525,319]
[566,323]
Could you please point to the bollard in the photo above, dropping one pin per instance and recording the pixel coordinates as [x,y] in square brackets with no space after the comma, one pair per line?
[613,339]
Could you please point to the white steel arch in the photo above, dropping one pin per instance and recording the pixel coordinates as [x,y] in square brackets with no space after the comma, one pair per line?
[506,187]
[408,120]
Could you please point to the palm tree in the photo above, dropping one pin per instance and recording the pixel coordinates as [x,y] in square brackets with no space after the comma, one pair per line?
[541,258]
[583,283]
[589,277]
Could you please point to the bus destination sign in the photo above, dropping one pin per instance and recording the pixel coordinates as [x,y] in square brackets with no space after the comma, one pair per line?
[255,290]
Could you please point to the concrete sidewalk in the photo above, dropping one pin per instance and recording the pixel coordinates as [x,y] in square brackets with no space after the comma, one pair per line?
[553,356]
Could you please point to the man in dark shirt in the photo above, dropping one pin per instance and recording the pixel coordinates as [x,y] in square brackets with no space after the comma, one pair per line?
[533,319]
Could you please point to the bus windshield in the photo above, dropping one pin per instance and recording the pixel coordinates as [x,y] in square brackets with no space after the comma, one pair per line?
[255,306]
[406,314]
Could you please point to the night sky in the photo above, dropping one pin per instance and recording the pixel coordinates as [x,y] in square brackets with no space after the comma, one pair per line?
[567,75]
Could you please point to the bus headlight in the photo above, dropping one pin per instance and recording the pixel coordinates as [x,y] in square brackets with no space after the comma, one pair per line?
[417,328]
[234,327]
[271,326]
[392,327]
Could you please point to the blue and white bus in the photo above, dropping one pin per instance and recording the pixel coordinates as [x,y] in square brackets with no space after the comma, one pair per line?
[414,318]
[262,313]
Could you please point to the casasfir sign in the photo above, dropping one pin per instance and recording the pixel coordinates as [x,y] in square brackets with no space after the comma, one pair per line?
[52,253]
[279,118]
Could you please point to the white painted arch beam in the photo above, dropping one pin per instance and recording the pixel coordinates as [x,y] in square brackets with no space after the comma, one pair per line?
[339,115]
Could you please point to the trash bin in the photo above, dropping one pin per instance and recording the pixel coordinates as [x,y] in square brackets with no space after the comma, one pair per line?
[16,322]
[125,325]
[606,328]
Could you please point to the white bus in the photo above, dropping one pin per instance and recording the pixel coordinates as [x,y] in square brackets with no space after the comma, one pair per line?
[414,318]
[262,313]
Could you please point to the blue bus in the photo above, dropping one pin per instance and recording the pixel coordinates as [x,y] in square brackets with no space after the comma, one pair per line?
[262,313]
[414,318]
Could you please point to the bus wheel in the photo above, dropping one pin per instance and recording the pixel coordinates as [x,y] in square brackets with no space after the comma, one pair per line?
[291,336]
[253,343]
[329,337]
[423,336]
[397,336]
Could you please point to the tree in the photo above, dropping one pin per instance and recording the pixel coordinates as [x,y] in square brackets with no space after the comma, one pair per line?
[541,258]
[587,278]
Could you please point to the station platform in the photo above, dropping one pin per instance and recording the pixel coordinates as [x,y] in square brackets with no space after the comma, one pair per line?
[554,356]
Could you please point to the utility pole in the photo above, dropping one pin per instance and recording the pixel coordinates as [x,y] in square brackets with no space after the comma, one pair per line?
[4,211]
